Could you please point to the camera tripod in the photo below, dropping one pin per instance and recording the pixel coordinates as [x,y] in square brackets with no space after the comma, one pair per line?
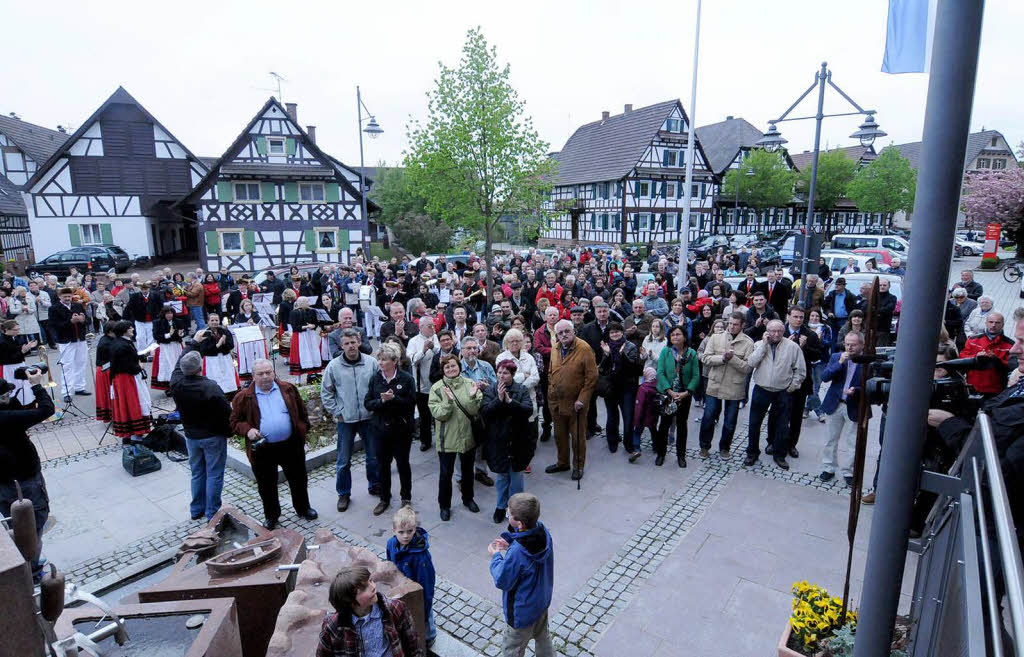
[70,407]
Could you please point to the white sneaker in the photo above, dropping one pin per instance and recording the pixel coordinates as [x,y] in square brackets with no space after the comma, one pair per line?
[820,416]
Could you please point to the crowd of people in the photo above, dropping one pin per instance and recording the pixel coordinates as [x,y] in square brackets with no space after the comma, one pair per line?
[421,353]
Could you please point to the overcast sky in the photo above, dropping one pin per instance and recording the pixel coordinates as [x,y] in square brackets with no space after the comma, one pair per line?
[202,67]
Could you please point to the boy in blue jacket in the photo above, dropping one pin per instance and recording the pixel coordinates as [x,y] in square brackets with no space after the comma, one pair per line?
[409,550]
[523,566]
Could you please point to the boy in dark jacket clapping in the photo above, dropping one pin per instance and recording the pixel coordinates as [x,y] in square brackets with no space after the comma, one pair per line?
[409,550]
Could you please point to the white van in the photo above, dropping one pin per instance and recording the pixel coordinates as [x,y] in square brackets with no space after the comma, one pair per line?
[847,242]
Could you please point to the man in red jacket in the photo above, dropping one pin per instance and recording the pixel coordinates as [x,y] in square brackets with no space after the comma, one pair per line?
[992,342]
[551,290]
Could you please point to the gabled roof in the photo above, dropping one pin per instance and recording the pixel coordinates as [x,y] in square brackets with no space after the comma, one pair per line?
[976,143]
[243,138]
[609,149]
[856,153]
[120,96]
[39,143]
[722,141]
[10,198]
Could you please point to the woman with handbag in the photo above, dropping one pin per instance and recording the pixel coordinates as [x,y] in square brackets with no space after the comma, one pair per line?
[678,378]
[455,406]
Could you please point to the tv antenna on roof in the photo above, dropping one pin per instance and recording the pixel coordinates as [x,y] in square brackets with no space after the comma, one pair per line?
[278,78]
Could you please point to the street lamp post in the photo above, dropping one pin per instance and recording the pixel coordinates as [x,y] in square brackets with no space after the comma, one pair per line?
[374,130]
[772,140]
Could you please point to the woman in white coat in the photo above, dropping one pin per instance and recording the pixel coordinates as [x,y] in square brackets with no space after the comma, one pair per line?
[526,373]
[23,308]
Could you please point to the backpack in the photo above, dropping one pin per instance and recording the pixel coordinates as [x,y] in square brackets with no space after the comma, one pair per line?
[165,438]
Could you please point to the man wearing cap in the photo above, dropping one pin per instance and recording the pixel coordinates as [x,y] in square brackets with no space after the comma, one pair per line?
[205,418]
[520,302]
[390,296]
[68,319]
[839,303]
[476,295]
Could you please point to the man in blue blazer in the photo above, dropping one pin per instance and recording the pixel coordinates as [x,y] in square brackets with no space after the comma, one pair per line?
[841,405]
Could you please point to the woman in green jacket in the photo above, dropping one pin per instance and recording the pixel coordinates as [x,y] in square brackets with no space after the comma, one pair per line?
[678,377]
[453,401]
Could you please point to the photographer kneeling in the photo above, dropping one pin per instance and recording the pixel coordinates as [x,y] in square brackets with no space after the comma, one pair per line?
[19,460]
[1007,413]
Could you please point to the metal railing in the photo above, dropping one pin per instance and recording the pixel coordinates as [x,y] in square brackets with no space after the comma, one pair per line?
[969,560]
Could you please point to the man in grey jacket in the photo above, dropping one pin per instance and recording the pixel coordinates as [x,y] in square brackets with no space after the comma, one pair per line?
[346,381]
[779,369]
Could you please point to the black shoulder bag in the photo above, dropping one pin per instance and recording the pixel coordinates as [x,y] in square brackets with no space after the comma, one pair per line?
[475,421]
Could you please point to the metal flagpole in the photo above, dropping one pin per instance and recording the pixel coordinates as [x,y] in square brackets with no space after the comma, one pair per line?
[684,228]
[944,143]
[362,175]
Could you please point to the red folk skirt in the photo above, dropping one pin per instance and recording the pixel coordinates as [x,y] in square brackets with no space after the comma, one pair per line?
[130,405]
[304,355]
[104,408]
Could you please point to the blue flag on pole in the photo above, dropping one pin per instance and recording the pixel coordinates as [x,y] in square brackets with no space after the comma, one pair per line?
[908,37]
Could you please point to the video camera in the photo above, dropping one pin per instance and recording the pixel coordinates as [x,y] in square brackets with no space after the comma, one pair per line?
[21,373]
[949,393]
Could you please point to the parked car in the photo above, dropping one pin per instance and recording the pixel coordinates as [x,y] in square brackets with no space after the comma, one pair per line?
[882,256]
[281,271]
[742,239]
[461,260]
[837,260]
[118,257]
[709,244]
[854,281]
[849,242]
[769,256]
[60,263]
[970,247]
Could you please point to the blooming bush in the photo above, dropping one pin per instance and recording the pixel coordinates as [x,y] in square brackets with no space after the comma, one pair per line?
[816,616]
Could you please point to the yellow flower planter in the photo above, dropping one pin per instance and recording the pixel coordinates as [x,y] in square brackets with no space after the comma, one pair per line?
[784,650]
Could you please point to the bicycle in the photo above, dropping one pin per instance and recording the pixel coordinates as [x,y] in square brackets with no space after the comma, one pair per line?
[1013,271]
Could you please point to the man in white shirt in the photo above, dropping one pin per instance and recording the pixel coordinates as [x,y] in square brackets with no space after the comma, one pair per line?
[421,350]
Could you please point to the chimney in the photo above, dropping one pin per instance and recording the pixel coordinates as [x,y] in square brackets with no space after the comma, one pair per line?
[729,118]
[627,108]
[293,111]
[604,115]
[311,131]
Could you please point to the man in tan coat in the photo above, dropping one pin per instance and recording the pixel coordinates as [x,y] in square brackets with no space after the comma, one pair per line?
[571,382]
[725,364]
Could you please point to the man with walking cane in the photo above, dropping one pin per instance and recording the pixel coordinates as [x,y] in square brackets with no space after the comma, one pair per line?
[571,384]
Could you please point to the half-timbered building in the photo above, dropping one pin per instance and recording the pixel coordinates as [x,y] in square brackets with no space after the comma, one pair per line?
[23,146]
[621,180]
[114,181]
[274,197]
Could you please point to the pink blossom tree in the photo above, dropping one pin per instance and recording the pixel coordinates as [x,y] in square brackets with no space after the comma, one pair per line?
[996,196]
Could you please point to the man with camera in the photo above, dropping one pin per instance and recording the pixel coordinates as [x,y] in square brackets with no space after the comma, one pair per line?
[272,418]
[1007,412]
[19,461]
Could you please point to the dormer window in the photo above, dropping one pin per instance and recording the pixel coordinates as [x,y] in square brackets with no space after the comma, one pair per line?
[276,145]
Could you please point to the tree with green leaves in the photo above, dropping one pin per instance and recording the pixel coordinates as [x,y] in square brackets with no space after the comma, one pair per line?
[835,171]
[478,157]
[764,179]
[885,186]
[404,212]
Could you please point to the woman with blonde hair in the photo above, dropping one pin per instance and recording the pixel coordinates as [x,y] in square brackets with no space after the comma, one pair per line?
[650,349]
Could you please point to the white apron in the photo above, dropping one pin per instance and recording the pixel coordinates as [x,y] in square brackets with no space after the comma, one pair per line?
[170,352]
[221,368]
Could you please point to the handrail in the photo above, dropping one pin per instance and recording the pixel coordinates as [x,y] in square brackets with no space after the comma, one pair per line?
[986,561]
[1003,521]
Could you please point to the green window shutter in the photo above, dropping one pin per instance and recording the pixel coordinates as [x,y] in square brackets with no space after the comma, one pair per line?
[593,190]
[289,146]
[107,234]
[593,221]
[261,145]
[664,158]
[332,192]
[343,240]
[310,240]
[291,192]
[75,234]
[224,192]
[664,190]
[212,245]
[268,192]
[249,238]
